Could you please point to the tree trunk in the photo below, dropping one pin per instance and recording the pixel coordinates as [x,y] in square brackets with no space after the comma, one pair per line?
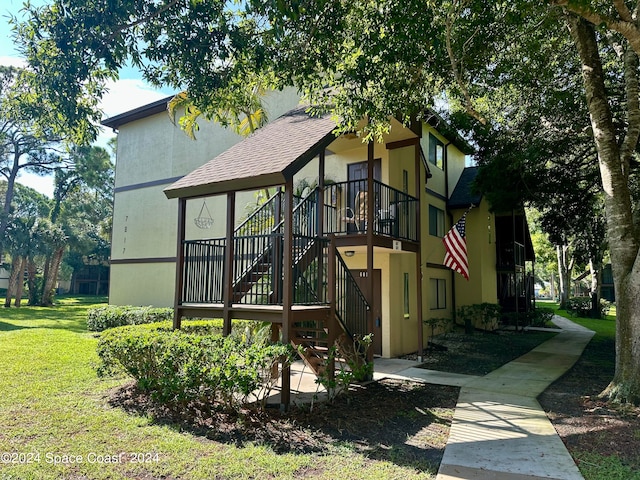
[594,291]
[20,284]
[564,274]
[614,171]
[13,280]
[32,282]
[51,277]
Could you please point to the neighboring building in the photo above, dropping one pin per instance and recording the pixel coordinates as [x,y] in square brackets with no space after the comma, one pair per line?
[90,279]
[152,153]
[4,274]
[350,244]
[607,290]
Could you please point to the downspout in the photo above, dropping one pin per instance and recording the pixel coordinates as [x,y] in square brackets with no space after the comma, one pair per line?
[418,187]
[450,215]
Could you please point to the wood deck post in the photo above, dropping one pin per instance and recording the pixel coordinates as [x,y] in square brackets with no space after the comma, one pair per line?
[370,227]
[287,297]
[320,217]
[419,313]
[177,301]
[227,294]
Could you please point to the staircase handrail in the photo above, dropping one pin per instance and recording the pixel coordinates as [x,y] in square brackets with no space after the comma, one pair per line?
[302,203]
[258,216]
[352,306]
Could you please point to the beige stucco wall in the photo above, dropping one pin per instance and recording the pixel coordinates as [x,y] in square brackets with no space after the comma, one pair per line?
[481,249]
[4,278]
[152,152]
[142,284]
[145,222]
[399,332]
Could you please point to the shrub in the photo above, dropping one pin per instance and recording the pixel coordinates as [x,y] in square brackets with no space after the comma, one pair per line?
[349,357]
[581,307]
[438,323]
[178,368]
[485,314]
[539,317]
[109,316]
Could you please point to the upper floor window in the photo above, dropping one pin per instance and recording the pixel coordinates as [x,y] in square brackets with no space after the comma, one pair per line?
[436,221]
[436,151]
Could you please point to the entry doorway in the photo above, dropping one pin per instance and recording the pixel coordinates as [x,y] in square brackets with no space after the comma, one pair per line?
[357,190]
[376,304]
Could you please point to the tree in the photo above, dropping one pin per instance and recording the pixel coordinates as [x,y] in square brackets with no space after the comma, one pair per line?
[82,201]
[23,146]
[27,208]
[605,37]
[373,60]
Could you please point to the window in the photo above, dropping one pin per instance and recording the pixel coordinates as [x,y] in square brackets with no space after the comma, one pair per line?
[436,152]
[436,221]
[406,295]
[438,293]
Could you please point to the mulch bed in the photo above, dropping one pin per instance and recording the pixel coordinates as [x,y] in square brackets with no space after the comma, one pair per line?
[408,422]
[386,420]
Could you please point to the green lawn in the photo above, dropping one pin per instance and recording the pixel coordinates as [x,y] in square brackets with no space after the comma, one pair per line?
[599,357]
[57,422]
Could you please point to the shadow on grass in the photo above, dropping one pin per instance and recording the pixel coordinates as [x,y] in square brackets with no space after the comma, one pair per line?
[8,327]
[69,313]
[395,421]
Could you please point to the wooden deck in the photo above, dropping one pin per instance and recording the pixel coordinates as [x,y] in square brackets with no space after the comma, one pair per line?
[262,313]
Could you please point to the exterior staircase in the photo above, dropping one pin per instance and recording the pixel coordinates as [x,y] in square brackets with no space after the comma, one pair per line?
[329,306]
[312,337]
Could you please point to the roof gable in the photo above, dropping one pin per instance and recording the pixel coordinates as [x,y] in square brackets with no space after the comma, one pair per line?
[463,195]
[270,156]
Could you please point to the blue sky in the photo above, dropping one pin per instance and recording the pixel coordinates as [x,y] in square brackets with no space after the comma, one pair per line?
[126,94]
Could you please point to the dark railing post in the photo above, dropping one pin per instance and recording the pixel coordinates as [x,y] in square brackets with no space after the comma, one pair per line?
[332,324]
[227,296]
[370,222]
[287,294]
[182,210]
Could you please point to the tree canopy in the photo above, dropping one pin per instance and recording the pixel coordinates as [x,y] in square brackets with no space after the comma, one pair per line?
[534,80]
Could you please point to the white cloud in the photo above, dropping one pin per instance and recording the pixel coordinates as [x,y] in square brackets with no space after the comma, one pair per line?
[12,61]
[125,95]
[122,96]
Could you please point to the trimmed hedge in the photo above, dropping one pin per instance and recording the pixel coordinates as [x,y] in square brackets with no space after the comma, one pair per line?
[109,316]
[178,368]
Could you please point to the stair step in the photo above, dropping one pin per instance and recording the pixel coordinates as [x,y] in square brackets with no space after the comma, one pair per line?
[310,330]
[315,348]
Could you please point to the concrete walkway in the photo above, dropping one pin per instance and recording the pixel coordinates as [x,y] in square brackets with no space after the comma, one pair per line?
[499,430]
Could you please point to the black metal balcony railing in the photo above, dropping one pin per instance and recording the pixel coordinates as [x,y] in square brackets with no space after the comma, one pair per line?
[510,255]
[346,210]
[203,271]
[263,219]
[259,244]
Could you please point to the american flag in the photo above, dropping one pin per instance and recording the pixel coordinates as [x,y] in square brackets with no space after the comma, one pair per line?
[455,243]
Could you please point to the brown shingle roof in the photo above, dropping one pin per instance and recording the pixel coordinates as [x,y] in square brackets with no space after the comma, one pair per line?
[268,157]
